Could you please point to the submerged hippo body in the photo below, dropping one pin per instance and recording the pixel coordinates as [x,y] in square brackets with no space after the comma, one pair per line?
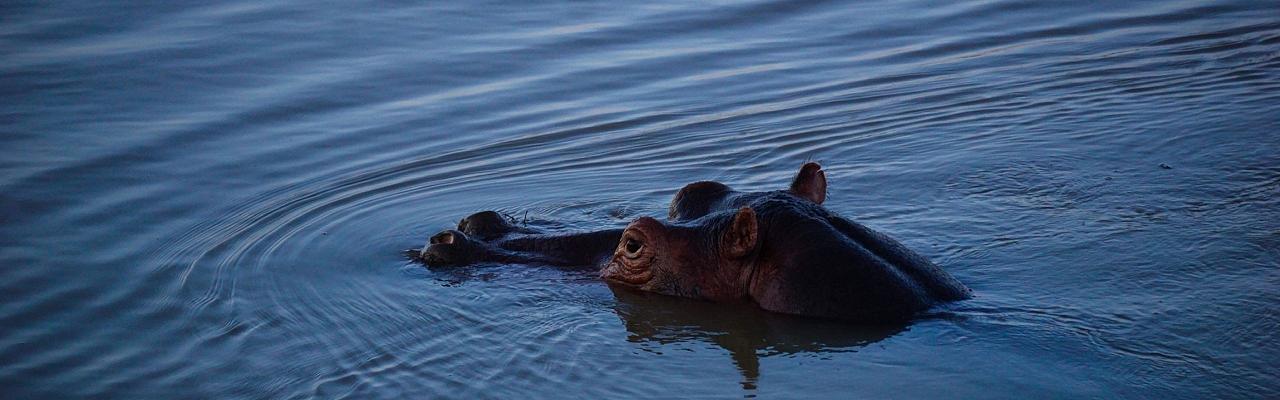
[781,250]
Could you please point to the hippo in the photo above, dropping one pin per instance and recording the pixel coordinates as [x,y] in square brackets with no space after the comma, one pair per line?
[781,250]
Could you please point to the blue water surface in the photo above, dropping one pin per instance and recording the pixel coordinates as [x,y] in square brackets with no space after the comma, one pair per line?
[210,199]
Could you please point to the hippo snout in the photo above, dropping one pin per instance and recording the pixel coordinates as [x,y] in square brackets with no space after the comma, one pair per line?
[450,247]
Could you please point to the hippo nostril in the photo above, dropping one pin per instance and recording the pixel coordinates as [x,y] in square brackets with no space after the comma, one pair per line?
[442,238]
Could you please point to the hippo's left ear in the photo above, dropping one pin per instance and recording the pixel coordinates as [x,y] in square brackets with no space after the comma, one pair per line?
[740,239]
[810,183]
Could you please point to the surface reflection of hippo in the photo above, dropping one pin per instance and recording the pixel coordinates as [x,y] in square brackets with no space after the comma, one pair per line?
[746,332]
[780,249]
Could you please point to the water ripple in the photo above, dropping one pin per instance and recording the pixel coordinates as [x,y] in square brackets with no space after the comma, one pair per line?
[211,201]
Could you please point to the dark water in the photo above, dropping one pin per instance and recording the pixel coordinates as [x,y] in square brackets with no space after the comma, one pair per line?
[209,201]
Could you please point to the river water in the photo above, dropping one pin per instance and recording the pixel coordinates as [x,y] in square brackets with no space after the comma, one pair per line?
[210,200]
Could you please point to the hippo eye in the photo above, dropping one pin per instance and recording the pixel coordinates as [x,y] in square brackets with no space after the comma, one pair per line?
[633,248]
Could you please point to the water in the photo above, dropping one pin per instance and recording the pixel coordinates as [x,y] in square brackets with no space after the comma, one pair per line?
[210,201]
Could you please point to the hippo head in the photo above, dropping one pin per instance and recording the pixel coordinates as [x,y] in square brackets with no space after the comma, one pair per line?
[710,260]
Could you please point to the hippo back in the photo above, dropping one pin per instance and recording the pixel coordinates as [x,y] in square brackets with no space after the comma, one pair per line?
[812,262]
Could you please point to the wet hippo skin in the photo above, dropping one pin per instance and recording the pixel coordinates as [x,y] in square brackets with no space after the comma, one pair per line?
[781,250]
[488,237]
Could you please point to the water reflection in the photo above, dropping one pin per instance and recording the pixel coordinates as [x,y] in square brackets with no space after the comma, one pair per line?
[746,331]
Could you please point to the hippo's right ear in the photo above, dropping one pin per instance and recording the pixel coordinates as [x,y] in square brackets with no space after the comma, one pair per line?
[740,239]
[810,183]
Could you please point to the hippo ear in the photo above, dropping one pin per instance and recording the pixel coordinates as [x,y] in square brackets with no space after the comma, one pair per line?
[810,183]
[740,239]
